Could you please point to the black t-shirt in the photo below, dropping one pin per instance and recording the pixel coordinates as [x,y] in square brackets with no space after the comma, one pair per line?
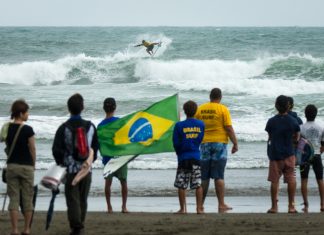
[21,154]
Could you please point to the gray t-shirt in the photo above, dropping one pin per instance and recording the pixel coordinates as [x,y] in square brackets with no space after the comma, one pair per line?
[314,133]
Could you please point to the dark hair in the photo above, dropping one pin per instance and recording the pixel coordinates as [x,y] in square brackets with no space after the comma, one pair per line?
[310,112]
[282,104]
[215,94]
[290,102]
[75,104]
[109,105]
[18,107]
[190,108]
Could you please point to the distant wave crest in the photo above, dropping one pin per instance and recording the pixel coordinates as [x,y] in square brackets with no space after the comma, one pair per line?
[267,76]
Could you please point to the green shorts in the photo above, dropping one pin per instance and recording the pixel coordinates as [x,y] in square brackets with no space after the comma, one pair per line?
[120,174]
[20,178]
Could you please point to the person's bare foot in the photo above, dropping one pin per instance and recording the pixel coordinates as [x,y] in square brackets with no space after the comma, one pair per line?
[272,211]
[322,207]
[224,208]
[292,211]
[124,210]
[180,212]
[200,211]
[110,210]
[305,209]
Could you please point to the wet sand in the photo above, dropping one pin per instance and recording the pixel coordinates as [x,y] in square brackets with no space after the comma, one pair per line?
[168,223]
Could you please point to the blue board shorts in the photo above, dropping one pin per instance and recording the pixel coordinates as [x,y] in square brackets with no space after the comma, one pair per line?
[213,160]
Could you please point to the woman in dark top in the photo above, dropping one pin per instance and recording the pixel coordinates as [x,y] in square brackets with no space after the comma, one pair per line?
[21,166]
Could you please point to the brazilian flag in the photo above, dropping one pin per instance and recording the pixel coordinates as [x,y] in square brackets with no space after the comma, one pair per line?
[143,132]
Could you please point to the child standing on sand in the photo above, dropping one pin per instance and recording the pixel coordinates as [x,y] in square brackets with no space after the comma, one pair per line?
[283,130]
[313,132]
[187,136]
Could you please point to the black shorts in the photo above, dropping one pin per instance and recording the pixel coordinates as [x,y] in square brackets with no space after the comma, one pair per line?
[150,48]
[317,165]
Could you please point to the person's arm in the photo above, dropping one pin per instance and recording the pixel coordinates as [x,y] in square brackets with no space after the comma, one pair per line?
[139,45]
[322,143]
[58,147]
[176,139]
[231,134]
[32,149]
[95,143]
[296,137]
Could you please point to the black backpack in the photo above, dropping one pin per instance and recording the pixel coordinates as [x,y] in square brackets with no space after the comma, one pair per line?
[80,145]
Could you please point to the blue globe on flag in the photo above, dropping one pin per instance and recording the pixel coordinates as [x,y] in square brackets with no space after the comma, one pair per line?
[140,131]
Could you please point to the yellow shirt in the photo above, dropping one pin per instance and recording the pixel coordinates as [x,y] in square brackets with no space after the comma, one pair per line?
[146,44]
[215,116]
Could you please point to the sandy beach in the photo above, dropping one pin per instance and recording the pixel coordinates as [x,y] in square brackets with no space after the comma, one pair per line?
[168,223]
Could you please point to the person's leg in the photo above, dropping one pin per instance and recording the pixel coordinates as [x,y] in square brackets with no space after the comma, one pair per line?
[13,191]
[14,221]
[274,174]
[148,51]
[304,170]
[72,195]
[85,185]
[318,170]
[195,183]
[320,184]
[217,172]
[27,217]
[220,193]
[303,188]
[124,191]
[27,189]
[181,182]
[205,187]
[182,201]
[205,168]
[291,196]
[199,200]
[108,194]
[290,179]
[274,197]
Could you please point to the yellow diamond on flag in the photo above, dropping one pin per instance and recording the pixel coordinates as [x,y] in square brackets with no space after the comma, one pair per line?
[143,128]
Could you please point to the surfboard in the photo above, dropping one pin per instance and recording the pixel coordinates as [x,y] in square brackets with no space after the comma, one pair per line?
[114,164]
[158,46]
[304,151]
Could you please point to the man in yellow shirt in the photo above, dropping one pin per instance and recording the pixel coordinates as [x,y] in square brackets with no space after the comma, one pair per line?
[149,46]
[218,129]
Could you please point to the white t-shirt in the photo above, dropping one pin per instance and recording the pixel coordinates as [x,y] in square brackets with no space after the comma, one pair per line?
[314,133]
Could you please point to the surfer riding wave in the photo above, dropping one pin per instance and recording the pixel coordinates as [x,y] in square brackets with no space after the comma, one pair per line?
[149,46]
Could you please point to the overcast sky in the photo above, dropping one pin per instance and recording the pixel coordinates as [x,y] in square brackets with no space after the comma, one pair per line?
[161,13]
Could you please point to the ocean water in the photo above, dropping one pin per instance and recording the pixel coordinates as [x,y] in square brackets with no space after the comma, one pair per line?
[252,66]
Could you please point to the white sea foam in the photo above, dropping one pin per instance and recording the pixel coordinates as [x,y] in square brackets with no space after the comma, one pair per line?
[233,76]
[51,72]
[45,126]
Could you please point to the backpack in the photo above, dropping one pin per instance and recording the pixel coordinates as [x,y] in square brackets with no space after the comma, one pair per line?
[80,146]
[4,132]
[304,151]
